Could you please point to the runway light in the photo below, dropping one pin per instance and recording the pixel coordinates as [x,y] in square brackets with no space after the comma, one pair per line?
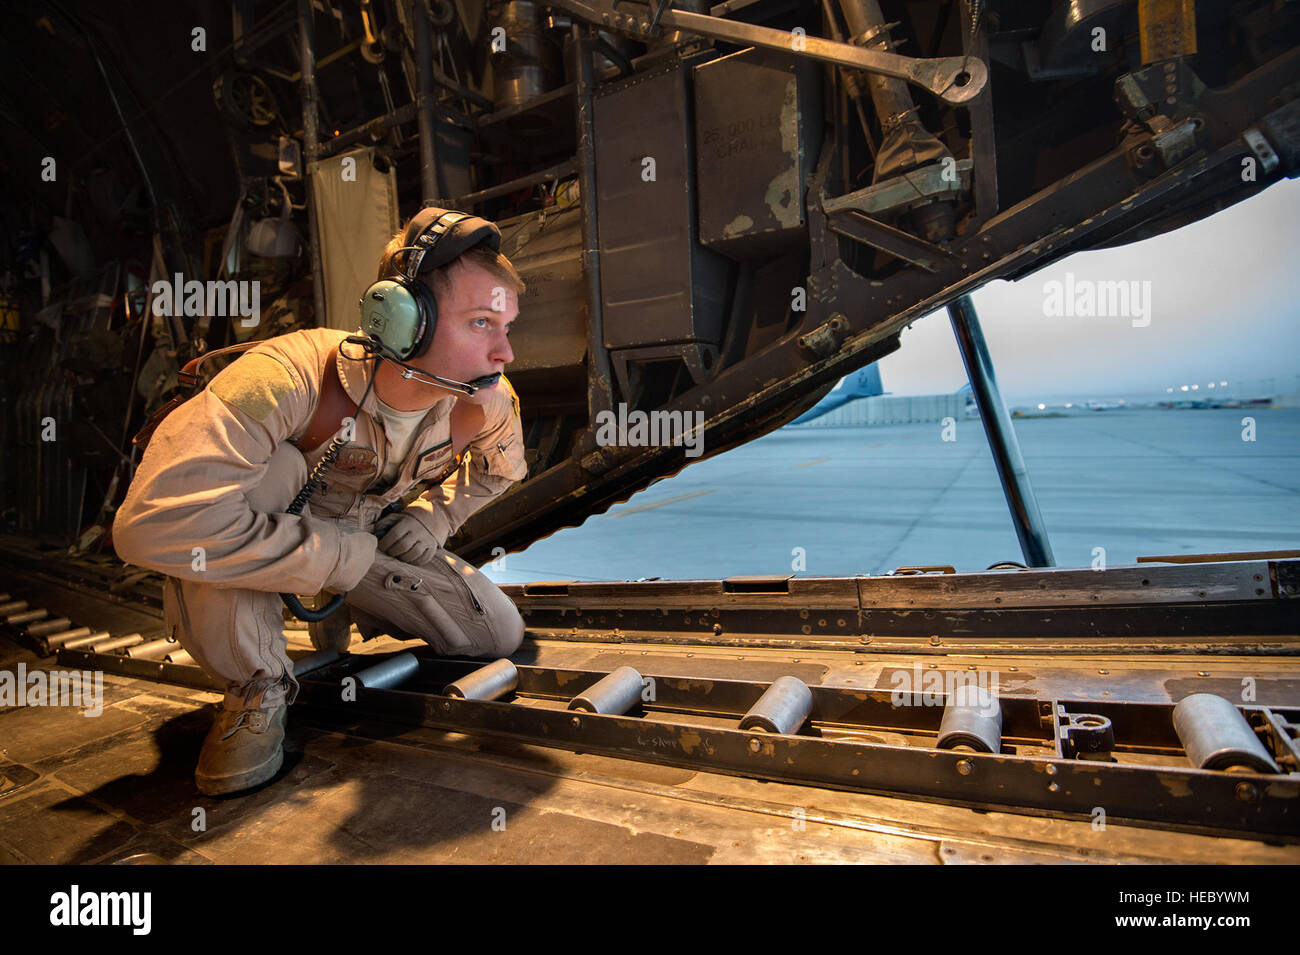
[1211,384]
[1223,384]
[1195,387]
[1168,389]
[1184,387]
[1041,406]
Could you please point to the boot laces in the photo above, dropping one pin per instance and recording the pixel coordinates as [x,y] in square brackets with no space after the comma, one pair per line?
[251,719]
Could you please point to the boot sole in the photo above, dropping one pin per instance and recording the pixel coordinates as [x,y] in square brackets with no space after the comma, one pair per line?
[238,782]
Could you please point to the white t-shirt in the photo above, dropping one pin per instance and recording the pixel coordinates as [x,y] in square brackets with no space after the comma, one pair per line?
[400,428]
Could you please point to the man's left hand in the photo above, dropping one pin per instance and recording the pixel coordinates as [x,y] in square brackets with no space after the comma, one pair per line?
[407,540]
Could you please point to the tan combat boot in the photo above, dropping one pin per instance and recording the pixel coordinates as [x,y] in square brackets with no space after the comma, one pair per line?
[334,632]
[243,749]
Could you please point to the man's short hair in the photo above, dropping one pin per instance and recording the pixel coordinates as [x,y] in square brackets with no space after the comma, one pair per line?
[488,259]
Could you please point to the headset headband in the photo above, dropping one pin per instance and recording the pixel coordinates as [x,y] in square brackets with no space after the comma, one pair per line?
[447,234]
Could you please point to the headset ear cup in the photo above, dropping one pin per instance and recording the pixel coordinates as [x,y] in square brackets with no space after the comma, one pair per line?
[428,304]
[393,317]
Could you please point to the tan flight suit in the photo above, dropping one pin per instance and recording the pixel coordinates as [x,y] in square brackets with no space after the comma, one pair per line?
[206,508]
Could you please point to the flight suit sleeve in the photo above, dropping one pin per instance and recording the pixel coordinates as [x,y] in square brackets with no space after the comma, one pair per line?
[187,514]
[494,461]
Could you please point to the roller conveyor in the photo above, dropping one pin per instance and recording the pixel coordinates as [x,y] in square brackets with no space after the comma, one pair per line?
[829,684]
[1056,756]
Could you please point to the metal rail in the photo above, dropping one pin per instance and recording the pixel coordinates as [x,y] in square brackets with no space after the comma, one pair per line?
[861,740]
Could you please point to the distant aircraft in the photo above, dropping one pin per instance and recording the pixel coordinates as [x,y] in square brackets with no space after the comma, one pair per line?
[970,407]
[863,383]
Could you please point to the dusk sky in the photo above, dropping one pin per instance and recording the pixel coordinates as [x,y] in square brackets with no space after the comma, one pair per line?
[1223,306]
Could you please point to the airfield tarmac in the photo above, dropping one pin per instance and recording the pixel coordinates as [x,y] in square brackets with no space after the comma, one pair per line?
[866,500]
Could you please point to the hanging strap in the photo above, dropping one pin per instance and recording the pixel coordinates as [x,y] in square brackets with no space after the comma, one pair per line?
[333,407]
[335,404]
[189,375]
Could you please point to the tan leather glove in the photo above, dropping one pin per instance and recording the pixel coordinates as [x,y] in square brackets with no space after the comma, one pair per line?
[404,538]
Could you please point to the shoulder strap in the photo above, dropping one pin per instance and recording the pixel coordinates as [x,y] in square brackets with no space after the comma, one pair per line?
[189,375]
[466,422]
[333,407]
[188,378]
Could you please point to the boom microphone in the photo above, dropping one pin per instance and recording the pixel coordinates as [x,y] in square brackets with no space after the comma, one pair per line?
[467,388]
[410,373]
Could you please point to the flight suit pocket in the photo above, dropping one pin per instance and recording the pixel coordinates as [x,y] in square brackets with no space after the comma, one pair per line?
[436,603]
[354,470]
[434,461]
[448,580]
[404,582]
[502,459]
[427,604]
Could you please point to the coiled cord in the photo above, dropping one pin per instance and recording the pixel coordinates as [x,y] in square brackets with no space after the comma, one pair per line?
[315,481]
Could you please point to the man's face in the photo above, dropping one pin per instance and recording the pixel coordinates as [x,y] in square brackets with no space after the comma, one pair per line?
[475,313]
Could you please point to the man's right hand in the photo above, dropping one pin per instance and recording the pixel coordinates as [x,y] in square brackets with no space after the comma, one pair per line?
[356,558]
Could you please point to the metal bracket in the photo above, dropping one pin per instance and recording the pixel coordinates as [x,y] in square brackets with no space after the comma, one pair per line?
[911,188]
[1086,736]
[1176,143]
[862,228]
[1262,149]
[954,79]
[826,338]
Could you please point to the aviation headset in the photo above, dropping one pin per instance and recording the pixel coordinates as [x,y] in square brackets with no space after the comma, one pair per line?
[399,313]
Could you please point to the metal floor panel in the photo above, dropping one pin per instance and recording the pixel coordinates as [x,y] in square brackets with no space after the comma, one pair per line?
[79,789]
[120,785]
